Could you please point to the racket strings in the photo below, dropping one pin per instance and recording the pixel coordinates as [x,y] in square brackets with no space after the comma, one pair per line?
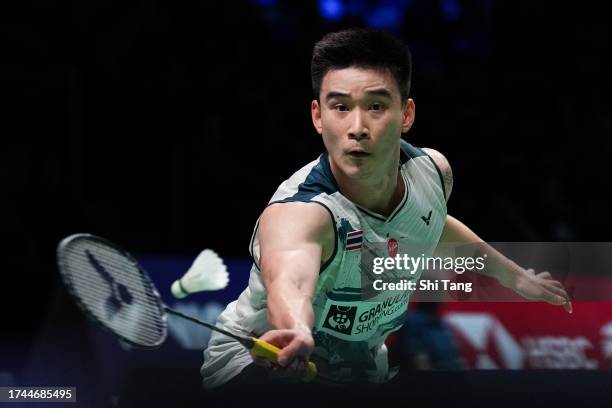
[115,291]
[139,322]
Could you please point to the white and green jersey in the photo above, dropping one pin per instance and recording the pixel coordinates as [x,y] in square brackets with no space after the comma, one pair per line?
[349,328]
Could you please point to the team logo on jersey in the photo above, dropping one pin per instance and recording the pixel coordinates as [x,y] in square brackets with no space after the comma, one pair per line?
[426,219]
[354,240]
[340,318]
[392,247]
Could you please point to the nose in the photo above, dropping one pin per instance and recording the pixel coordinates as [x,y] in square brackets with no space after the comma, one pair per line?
[359,128]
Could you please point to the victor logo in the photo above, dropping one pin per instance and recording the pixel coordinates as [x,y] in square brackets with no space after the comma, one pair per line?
[340,318]
[426,219]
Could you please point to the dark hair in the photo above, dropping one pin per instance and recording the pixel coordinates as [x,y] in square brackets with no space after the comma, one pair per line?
[362,48]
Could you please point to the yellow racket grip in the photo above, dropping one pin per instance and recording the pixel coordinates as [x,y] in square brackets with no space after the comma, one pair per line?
[267,351]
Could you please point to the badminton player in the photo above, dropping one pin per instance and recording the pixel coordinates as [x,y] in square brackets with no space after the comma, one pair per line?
[304,293]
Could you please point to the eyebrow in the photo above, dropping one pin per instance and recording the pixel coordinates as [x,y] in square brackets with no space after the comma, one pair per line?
[333,94]
[377,92]
[380,92]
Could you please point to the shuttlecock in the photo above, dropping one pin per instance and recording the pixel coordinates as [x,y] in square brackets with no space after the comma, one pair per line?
[207,273]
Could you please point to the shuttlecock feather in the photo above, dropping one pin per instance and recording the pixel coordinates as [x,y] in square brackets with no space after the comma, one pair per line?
[207,273]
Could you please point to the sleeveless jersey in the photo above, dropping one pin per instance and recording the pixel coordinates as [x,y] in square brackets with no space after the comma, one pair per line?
[349,328]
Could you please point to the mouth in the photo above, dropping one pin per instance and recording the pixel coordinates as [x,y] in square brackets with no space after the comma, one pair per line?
[358,153]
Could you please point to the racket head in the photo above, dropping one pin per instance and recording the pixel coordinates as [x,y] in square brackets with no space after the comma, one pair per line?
[112,289]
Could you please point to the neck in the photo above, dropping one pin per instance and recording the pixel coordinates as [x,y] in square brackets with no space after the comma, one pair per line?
[380,193]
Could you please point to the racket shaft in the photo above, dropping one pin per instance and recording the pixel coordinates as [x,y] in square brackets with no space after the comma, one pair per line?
[247,342]
[259,348]
[270,352]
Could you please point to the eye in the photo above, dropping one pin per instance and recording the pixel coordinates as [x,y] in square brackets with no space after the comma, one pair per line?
[341,108]
[377,106]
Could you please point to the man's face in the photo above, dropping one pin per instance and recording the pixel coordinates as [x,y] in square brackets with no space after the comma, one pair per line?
[361,118]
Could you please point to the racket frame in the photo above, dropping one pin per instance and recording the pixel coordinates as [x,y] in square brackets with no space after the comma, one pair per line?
[62,266]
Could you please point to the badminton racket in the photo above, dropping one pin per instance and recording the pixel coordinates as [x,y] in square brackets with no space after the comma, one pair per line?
[113,290]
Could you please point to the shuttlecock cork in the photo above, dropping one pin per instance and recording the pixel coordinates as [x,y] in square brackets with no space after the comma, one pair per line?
[207,273]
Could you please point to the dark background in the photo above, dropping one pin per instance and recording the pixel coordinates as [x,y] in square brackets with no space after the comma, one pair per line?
[166,126]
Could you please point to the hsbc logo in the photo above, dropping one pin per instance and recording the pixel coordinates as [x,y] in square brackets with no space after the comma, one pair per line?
[490,345]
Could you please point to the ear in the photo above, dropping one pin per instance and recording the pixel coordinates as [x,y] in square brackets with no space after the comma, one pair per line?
[315,112]
[408,115]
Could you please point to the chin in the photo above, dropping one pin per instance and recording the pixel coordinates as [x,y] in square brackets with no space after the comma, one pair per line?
[357,171]
[350,168]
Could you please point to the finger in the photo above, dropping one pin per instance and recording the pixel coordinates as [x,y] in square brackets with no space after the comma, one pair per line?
[557,291]
[557,283]
[286,356]
[530,271]
[289,352]
[545,275]
[554,299]
[278,338]
[289,368]
[560,286]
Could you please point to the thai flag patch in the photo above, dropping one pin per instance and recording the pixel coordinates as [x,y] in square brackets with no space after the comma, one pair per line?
[354,239]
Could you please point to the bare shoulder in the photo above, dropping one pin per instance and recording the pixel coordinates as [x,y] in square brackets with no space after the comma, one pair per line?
[311,215]
[291,225]
[445,169]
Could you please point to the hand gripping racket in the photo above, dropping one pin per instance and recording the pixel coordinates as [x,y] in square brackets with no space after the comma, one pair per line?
[112,289]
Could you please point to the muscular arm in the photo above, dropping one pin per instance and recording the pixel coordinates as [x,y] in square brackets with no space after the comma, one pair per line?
[527,283]
[294,239]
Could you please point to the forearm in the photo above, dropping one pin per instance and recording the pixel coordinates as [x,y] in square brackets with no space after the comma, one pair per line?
[497,265]
[290,289]
[288,306]
[291,238]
